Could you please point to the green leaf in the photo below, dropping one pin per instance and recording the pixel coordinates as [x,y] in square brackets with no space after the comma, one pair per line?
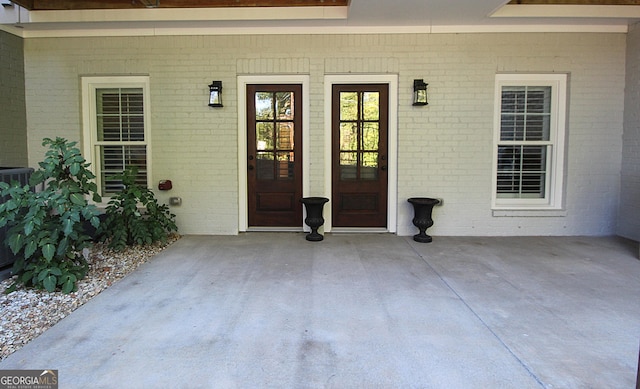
[12,288]
[49,283]
[28,227]
[16,241]
[74,169]
[26,277]
[48,250]
[55,271]
[77,199]
[30,248]
[43,274]
[67,286]
[67,227]
[11,204]
[36,178]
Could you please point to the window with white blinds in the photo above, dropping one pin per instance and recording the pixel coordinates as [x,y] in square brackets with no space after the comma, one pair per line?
[529,141]
[116,128]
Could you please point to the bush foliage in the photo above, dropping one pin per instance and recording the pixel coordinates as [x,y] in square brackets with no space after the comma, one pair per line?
[46,227]
[133,216]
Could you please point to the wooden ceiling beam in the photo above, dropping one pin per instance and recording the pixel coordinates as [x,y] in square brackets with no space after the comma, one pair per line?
[42,5]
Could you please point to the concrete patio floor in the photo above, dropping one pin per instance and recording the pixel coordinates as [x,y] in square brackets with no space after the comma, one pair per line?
[271,310]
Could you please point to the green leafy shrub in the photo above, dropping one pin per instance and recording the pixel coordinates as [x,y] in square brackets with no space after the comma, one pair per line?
[133,216]
[46,227]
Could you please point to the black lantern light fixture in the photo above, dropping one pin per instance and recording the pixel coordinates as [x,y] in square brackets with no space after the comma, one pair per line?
[419,93]
[215,94]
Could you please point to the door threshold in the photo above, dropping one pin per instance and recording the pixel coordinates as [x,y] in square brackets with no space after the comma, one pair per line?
[359,230]
[274,229]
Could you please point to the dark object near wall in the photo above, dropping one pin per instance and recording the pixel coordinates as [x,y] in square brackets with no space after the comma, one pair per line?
[9,175]
[314,219]
[422,207]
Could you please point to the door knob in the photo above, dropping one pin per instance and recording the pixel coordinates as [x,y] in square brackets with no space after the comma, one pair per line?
[250,167]
[250,157]
[383,167]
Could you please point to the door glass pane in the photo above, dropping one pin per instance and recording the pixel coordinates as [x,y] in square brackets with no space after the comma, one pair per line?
[284,165]
[348,166]
[265,166]
[264,136]
[264,106]
[284,105]
[348,106]
[370,136]
[348,136]
[370,106]
[285,136]
[369,168]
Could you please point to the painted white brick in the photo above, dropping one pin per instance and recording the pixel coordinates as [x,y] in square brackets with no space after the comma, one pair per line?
[445,149]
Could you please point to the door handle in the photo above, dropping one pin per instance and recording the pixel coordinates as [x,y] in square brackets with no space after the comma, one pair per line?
[383,167]
[251,158]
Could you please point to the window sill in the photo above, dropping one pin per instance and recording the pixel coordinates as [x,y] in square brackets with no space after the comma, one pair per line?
[529,213]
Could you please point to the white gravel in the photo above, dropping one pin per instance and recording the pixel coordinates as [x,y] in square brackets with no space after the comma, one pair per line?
[27,313]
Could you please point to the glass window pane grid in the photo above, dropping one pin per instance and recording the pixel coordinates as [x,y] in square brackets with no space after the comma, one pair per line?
[115,159]
[275,131]
[120,134]
[524,141]
[522,171]
[120,114]
[525,113]
[359,135]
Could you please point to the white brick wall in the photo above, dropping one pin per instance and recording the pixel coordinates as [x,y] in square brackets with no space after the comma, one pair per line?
[445,149]
[629,219]
[13,119]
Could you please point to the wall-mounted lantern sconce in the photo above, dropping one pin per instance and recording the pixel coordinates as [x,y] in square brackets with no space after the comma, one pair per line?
[215,94]
[420,92]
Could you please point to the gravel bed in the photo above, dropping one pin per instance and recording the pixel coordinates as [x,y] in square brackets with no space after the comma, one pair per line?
[27,313]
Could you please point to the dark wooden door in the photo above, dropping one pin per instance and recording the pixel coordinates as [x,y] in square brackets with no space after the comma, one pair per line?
[274,152]
[360,117]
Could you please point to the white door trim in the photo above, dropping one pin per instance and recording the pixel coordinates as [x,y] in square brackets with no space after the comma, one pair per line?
[243,81]
[392,81]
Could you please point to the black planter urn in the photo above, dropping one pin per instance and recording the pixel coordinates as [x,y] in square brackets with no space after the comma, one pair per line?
[422,208]
[314,219]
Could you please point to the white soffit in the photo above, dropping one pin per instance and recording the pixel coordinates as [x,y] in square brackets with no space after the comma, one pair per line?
[567,11]
[189,14]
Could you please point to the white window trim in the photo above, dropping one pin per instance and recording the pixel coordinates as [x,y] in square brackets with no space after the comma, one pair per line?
[89,122]
[554,198]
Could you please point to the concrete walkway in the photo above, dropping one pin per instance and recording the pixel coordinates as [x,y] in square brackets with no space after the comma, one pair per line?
[271,310]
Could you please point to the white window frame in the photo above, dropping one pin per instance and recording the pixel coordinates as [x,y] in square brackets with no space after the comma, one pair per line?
[89,119]
[554,189]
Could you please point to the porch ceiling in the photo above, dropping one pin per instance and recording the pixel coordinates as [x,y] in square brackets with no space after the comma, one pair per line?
[91,17]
